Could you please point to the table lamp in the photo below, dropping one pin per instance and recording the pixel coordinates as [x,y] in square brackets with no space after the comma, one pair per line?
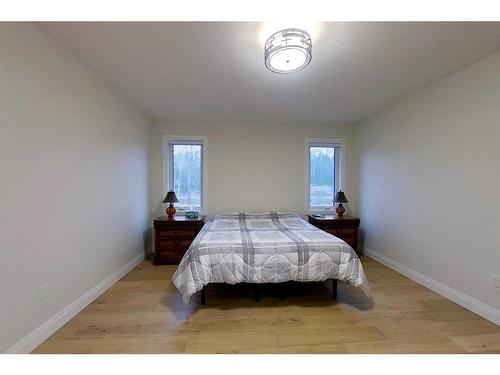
[171,198]
[340,198]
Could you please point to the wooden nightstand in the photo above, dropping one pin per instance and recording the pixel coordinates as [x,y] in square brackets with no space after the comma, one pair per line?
[173,237]
[345,227]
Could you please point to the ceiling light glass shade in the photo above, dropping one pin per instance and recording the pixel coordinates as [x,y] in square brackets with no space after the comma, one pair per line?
[288,51]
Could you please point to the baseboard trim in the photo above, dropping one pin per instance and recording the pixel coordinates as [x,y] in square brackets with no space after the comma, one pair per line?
[40,334]
[454,295]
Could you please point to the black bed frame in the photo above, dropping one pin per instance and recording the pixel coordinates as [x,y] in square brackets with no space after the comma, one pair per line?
[203,293]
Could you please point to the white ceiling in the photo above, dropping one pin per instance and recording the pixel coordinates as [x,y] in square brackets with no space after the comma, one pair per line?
[202,71]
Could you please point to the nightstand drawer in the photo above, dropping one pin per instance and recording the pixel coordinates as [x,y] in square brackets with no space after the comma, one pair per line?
[173,236]
[345,227]
[349,239]
[174,244]
[344,232]
[177,233]
[170,257]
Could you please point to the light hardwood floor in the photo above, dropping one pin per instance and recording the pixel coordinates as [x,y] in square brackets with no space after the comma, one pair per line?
[144,313]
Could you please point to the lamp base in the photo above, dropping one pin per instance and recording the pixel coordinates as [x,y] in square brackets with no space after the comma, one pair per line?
[340,210]
[171,211]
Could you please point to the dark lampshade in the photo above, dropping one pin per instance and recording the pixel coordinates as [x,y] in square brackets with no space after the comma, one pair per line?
[170,198]
[340,197]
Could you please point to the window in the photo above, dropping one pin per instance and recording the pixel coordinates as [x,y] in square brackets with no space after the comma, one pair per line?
[324,175]
[185,170]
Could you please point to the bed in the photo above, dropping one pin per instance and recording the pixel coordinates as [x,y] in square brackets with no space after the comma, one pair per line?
[265,248]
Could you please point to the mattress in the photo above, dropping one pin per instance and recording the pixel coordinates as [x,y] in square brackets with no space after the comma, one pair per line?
[265,248]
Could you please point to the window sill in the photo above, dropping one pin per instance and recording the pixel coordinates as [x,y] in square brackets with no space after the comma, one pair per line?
[182,211]
[319,210]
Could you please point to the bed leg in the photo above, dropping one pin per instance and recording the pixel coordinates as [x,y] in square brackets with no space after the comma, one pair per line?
[282,293]
[334,288]
[256,291]
[203,296]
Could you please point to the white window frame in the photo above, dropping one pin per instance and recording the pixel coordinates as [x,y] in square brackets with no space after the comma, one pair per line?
[167,166]
[340,162]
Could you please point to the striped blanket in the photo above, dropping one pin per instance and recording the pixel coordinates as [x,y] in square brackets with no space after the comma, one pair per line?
[265,248]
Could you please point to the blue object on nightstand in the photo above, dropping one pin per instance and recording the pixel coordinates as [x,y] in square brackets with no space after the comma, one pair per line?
[191,214]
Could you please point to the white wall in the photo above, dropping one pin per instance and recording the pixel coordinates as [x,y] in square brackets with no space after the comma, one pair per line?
[429,181]
[251,166]
[73,180]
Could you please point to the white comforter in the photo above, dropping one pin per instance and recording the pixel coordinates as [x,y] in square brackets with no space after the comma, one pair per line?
[265,248]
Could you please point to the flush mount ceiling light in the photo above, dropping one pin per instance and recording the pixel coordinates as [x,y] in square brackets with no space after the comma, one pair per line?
[288,51]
